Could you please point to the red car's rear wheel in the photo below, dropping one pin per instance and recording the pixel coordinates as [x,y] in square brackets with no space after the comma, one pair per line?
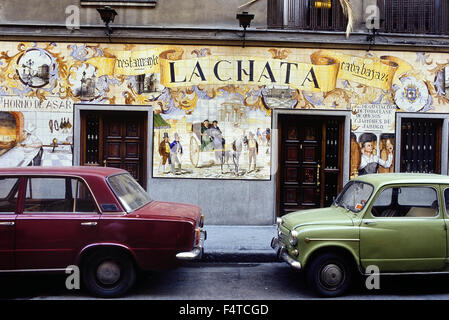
[108,273]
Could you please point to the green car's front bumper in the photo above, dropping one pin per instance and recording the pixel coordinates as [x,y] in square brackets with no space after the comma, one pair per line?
[282,254]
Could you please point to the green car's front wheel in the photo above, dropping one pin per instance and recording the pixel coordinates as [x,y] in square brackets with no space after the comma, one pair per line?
[329,275]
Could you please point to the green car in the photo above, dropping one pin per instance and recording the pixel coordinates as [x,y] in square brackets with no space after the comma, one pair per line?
[395,222]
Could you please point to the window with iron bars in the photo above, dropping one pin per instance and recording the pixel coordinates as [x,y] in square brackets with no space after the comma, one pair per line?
[415,16]
[306,14]
[119,3]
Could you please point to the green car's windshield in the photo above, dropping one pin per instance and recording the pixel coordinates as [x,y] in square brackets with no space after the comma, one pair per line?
[354,196]
[131,195]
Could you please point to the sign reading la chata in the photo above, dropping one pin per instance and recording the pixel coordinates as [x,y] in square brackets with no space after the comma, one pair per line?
[319,75]
[255,71]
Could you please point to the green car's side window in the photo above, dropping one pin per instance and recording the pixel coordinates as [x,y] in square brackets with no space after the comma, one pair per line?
[446,200]
[384,199]
[406,202]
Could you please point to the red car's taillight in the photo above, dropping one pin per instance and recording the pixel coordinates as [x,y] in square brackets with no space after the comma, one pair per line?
[197,236]
[201,222]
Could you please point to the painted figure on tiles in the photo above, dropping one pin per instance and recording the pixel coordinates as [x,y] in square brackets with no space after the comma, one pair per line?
[253,150]
[164,151]
[369,161]
[355,156]
[31,140]
[386,148]
[259,136]
[205,136]
[266,139]
[215,132]
[175,155]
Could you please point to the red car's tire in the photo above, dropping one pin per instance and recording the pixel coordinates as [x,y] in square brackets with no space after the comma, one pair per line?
[108,273]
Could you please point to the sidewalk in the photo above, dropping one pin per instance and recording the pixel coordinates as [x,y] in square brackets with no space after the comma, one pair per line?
[239,244]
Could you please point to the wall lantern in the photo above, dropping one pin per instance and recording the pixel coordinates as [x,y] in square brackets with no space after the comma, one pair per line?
[245,21]
[107,14]
[373,28]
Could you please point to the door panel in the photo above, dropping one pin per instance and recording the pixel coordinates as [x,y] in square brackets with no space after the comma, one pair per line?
[310,161]
[112,150]
[404,231]
[9,187]
[59,218]
[403,244]
[7,231]
[52,241]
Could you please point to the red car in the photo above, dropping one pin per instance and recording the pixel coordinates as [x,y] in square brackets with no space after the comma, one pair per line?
[99,219]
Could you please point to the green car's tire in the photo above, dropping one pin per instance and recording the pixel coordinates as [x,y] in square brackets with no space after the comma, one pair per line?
[329,275]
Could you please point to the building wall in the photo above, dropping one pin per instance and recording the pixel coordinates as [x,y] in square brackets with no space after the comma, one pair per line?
[192,83]
[167,13]
[224,202]
[187,32]
[189,22]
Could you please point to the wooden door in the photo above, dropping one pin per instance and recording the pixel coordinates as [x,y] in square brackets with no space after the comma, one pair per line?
[311,152]
[115,139]
[123,144]
[300,164]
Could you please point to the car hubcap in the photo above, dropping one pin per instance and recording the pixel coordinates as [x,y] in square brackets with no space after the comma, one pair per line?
[108,272]
[331,276]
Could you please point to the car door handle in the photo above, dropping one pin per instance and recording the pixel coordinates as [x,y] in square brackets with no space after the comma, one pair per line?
[369,223]
[7,223]
[93,223]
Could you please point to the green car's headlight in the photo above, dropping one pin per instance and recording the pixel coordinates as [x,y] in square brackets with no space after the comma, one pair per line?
[279,221]
[293,239]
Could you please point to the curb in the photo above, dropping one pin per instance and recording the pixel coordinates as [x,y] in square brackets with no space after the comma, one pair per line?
[253,256]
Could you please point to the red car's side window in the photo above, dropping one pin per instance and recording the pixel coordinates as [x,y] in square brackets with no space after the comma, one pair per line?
[84,200]
[58,195]
[8,194]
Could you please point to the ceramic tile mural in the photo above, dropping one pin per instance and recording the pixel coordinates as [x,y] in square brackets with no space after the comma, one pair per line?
[212,104]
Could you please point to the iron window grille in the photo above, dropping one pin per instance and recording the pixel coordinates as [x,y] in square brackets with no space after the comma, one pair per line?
[118,3]
[415,16]
[306,15]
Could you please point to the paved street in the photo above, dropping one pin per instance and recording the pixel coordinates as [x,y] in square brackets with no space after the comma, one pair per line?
[205,281]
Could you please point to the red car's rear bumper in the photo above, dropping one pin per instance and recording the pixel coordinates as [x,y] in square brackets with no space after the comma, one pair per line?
[197,252]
